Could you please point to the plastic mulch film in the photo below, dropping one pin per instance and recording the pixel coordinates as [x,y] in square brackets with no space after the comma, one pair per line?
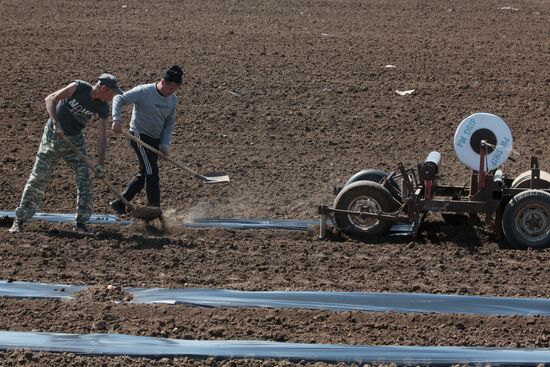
[335,301]
[151,347]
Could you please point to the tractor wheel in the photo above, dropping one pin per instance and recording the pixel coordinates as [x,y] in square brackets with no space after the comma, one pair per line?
[526,220]
[376,175]
[524,180]
[365,196]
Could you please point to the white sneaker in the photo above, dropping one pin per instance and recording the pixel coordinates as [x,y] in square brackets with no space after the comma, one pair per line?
[17,226]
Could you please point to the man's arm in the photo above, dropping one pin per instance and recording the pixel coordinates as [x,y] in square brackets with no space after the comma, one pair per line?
[51,103]
[167,132]
[119,101]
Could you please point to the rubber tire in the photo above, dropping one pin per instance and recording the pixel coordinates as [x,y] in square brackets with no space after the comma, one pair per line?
[368,189]
[374,175]
[529,199]
[523,180]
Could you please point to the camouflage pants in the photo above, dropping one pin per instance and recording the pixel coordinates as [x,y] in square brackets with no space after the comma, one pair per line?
[51,150]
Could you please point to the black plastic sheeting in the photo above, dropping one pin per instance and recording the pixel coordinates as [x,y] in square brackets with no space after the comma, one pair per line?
[150,347]
[335,301]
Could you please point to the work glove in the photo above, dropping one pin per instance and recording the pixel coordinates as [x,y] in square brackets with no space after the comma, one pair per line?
[99,171]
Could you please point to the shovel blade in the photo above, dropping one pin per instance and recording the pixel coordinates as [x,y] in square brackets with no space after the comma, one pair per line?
[214,177]
[146,213]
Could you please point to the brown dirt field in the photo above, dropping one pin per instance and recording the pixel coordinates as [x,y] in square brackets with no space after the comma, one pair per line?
[290,98]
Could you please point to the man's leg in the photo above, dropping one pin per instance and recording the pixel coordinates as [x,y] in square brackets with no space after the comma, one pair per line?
[46,161]
[152,186]
[83,180]
[149,163]
[148,169]
[136,184]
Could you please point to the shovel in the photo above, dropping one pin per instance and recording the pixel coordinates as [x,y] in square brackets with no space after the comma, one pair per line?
[145,213]
[208,178]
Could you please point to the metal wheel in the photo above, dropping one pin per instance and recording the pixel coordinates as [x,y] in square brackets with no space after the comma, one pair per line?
[367,197]
[368,205]
[526,219]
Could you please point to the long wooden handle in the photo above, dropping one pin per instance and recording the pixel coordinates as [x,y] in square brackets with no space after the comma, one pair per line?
[107,183]
[161,154]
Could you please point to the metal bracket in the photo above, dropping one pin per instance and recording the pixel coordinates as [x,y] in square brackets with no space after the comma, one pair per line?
[324,211]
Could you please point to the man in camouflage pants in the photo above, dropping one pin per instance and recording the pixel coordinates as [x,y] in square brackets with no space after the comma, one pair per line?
[70,109]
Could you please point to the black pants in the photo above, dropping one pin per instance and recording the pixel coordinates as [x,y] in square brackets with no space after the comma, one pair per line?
[148,175]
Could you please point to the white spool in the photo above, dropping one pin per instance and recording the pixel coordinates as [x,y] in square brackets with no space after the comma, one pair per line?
[481,120]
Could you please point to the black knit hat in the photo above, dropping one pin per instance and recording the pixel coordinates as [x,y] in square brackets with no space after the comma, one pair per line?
[173,75]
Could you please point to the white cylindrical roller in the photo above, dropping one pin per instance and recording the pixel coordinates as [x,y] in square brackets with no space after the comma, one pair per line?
[430,167]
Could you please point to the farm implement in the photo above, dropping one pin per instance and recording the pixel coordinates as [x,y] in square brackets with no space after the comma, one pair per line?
[371,200]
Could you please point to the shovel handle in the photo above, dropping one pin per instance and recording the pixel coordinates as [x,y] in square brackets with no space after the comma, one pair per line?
[107,183]
[161,154]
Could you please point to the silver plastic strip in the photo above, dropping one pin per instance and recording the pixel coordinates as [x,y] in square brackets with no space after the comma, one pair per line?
[37,290]
[67,218]
[335,301]
[345,301]
[229,223]
[151,347]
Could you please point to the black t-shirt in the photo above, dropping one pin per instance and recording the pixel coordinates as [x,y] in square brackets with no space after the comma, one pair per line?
[75,111]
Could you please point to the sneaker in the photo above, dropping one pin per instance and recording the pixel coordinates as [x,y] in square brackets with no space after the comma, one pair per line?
[118,206]
[82,229]
[17,226]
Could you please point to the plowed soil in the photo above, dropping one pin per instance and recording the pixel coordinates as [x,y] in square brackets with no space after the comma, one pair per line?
[289,98]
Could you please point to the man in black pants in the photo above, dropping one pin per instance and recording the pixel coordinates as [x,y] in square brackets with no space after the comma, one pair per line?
[153,117]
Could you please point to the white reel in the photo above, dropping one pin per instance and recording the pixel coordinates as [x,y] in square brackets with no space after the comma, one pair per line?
[483,126]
